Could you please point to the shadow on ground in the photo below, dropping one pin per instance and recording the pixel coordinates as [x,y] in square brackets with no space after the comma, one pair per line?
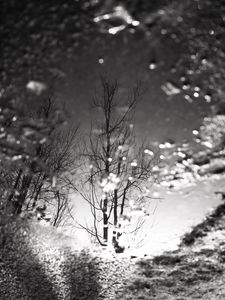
[39,272]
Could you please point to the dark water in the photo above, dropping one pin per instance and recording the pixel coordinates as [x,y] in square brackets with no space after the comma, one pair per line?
[44,40]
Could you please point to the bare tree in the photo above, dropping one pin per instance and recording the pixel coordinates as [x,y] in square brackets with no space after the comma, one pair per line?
[38,150]
[53,191]
[119,168]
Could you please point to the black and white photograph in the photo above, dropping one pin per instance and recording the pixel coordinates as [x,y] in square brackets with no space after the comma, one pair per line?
[112,149]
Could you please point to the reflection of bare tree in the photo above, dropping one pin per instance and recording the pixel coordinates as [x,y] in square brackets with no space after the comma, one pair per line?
[60,157]
[63,209]
[118,167]
[36,149]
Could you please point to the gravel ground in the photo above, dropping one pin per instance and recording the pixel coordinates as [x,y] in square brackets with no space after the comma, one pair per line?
[115,276]
[37,263]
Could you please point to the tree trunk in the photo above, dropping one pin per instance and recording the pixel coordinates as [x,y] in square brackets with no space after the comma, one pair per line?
[18,204]
[105,220]
[16,184]
[25,185]
[114,237]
